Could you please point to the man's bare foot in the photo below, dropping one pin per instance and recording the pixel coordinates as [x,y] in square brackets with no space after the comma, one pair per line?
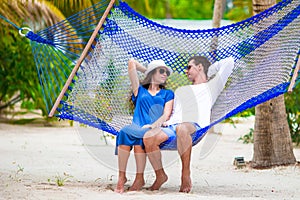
[158,182]
[120,185]
[137,185]
[186,184]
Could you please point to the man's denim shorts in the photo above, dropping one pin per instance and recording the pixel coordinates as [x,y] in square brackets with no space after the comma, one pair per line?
[171,129]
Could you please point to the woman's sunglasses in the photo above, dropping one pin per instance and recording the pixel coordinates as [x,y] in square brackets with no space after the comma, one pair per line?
[162,71]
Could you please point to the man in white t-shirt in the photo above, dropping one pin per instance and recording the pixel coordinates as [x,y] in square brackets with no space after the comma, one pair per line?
[191,112]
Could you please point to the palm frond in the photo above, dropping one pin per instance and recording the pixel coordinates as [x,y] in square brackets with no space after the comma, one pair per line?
[37,14]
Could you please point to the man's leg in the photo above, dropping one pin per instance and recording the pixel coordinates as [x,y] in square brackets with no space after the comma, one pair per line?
[123,155]
[152,140]
[140,160]
[184,146]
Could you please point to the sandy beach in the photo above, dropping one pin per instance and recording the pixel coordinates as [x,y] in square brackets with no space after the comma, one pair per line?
[35,159]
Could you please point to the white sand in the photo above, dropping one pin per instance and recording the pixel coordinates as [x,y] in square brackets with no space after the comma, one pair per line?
[33,157]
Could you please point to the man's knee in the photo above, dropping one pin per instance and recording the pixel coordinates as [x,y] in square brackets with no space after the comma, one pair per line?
[180,130]
[185,129]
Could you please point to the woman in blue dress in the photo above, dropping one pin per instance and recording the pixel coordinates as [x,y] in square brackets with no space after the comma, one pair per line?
[153,106]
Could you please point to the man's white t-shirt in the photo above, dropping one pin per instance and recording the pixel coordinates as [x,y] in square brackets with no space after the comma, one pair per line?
[193,103]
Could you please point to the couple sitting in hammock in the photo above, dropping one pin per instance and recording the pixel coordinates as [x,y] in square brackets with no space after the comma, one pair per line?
[158,116]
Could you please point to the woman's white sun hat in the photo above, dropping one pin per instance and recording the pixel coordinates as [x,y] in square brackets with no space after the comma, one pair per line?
[155,64]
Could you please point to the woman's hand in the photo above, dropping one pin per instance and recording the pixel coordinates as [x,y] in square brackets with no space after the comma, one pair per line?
[147,126]
[164,124]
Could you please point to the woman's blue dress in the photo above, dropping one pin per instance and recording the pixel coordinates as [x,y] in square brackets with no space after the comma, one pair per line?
[148,109]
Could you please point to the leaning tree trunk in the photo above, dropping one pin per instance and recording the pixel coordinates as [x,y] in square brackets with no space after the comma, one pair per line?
[217,17]
[272,139]
[218,13]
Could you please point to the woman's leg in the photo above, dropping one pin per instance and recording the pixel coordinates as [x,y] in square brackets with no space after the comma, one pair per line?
[123,155]
[140,159]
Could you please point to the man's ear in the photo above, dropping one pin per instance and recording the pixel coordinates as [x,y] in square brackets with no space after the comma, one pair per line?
[200,66]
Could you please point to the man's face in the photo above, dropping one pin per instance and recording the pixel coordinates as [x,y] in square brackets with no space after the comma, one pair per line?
[192,70]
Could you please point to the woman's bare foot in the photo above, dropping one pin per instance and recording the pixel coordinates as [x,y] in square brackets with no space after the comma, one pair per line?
[137,184]
[120,185]
[186,184]
[158,182]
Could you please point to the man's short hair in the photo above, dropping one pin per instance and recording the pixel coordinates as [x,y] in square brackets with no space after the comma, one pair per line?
[203,60]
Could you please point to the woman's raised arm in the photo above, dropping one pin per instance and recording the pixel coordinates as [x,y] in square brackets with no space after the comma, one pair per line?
[133,67]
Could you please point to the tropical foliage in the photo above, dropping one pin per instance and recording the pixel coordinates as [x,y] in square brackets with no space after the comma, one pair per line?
[292,103]
[19,80]
[17,72]
[183,9]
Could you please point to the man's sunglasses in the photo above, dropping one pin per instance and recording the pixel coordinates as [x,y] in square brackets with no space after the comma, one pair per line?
[162,71]
[188,67]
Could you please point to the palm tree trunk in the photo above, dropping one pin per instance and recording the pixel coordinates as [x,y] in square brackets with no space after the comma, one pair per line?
[217,17]
[272,139]
[218,12]
[167,7]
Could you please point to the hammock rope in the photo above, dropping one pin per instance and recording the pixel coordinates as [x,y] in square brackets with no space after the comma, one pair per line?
[10,22]
[85,78]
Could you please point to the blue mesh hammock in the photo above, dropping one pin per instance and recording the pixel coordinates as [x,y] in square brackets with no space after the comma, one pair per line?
[82,63]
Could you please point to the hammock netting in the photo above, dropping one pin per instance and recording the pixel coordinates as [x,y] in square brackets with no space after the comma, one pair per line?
[265,48]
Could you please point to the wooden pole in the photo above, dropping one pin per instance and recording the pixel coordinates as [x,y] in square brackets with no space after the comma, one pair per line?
[81,58]
[295,75]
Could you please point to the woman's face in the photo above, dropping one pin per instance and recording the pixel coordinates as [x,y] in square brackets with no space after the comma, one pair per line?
[160,76]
